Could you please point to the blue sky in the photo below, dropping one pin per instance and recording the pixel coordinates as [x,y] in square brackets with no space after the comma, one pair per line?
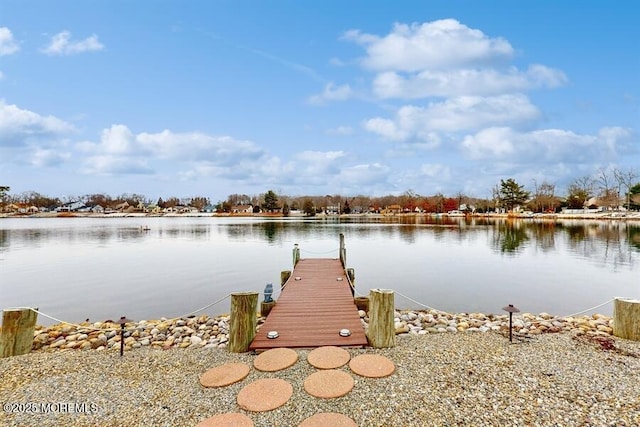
[210,98]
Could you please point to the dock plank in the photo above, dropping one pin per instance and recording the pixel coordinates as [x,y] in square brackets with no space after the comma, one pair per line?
[310,312]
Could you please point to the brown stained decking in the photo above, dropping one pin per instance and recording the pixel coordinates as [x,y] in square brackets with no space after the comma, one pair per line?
[310,312]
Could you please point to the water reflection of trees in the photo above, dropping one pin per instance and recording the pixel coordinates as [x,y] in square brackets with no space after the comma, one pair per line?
[610,242]
[4,240]
[633,236]
[606,242]
[509,236]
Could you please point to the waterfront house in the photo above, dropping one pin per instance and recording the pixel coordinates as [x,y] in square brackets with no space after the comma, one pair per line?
[242,209]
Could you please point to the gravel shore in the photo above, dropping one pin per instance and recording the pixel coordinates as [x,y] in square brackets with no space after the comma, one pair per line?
[457,379]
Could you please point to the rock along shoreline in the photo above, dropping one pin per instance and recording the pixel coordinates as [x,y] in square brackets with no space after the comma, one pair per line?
[213,332]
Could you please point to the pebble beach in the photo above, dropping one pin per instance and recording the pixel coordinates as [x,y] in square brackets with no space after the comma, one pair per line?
[450,370]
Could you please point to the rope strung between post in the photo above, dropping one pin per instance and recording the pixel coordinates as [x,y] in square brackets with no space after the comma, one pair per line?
[319,253]
[200,309]
[69,323]
[556,317]
[117,328]
[417,302]
[589,309]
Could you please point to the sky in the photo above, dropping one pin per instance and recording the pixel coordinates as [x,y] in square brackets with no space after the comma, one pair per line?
[211,98]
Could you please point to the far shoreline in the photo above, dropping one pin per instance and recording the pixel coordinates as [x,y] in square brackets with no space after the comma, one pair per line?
[615,216]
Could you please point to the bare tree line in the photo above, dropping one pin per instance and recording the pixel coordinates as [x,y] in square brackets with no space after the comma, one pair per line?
[609,188]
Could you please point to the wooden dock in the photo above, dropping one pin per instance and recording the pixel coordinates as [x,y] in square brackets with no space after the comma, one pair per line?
[314,306]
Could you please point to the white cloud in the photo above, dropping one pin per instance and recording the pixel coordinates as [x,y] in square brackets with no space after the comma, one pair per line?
[337,62]
[61,44]
[454,115]
[8,45]
[365,175]
[332,92]
[435,171]
[18,125]
[442,44]
[341,131]
[115,165]
[318,164]
[482,82]
[121,151]
[195,146]
[43,157]
[548,146]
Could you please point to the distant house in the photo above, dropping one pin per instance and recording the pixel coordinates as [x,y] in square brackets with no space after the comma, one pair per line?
[209,208]
[71,207]
[97,209]
[393,209]
[242,209]
[122,206]
[152,208]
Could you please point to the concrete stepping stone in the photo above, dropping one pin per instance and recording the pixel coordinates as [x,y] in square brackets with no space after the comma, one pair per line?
[372,366]
[225,375]
[232,419]
[265,395]
[328,357]
[326,419]
[275,359]
[328,384]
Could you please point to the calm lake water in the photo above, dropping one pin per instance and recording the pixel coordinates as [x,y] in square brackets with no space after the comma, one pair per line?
[101,268]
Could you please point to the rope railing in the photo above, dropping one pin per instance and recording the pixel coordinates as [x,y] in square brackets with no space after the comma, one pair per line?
[591,308]
[117,328]
[555,317]
[319,253]
[417,302]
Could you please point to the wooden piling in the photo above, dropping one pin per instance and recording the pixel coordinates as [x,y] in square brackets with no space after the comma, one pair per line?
[381,331]
[243,321]
[284,276]
[351,274]
[18,325]
[296,254]
[265,308]
[362,303]
[626,318]
[343,252]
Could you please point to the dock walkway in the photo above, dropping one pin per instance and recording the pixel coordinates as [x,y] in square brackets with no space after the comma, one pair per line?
[314,306]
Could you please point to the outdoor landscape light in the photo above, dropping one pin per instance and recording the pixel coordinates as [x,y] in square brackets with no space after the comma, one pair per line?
[122,321]
[510,309]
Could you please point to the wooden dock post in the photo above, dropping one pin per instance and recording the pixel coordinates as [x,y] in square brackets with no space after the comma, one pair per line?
[382,332]
[351,274]
[343,252]
[18,325]
[284,276]
[626,318]
[296,254]
[243,322]
[265,308]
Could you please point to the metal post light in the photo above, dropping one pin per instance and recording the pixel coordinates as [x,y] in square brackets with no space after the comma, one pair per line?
[122,322]
[511,309]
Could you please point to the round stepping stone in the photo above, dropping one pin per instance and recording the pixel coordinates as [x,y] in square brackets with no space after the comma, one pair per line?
[328,357]
[328,384]
[328,419]
[275,359]
[227,420]
[372,366]
[265,395]
[225,375]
